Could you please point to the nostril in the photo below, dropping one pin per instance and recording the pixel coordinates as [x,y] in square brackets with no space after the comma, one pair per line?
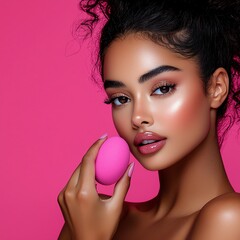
[144,122]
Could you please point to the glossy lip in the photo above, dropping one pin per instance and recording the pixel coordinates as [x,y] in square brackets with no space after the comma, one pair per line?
[151,147]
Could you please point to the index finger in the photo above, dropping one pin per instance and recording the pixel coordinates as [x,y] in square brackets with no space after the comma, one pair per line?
[86,179]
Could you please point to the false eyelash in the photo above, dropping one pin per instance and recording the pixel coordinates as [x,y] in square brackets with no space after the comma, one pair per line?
[170,85]
[111,99]
[108,100]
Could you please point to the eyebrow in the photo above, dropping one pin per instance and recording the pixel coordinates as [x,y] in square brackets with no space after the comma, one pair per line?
[154,72]
[145,77]
[113,84]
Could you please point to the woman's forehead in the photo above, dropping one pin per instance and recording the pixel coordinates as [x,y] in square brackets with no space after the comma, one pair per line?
[141,55]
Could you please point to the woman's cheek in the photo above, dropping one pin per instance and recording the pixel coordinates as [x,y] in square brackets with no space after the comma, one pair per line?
[188,113]
[122,121]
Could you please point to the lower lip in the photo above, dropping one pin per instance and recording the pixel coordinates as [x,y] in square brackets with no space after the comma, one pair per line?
[151,148]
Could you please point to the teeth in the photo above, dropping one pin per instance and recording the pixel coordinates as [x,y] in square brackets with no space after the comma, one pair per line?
[144,142]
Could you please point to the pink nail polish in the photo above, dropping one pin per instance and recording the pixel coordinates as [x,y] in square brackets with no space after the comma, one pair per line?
[130,171]
[103,136]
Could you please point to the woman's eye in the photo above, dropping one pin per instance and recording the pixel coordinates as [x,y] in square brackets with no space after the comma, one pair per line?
[120,100]
[163,89]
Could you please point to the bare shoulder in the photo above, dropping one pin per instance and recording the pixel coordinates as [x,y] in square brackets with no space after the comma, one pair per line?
[218,219]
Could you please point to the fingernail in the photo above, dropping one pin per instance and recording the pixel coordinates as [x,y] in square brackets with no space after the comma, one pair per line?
[103,136]
[130,171]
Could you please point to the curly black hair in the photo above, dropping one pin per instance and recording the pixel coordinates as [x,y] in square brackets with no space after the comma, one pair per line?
[208,30]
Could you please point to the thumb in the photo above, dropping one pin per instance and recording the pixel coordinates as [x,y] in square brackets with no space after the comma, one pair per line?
[122,186]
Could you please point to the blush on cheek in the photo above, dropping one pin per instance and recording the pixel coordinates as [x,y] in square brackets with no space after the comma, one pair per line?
[187,112]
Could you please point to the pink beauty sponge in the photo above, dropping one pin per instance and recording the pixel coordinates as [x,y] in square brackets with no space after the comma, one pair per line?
[112,160]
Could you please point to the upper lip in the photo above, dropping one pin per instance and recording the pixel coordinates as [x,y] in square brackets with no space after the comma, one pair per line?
[140,137]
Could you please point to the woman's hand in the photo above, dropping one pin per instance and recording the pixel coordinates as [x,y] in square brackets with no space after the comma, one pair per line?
[87,216]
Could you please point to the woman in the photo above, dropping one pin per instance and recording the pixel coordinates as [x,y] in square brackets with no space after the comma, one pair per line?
[170,70]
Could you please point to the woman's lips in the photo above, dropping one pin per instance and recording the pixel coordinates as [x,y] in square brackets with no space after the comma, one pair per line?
[149,142]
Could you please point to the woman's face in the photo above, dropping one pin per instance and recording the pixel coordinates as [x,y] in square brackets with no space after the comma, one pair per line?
[158,103]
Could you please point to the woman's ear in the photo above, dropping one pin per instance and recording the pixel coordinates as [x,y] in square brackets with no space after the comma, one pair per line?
[218,88]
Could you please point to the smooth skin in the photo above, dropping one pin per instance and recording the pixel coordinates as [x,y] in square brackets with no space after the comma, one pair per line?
[196,200]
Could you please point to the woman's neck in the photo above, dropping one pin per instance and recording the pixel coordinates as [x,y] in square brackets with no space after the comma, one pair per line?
[188,185]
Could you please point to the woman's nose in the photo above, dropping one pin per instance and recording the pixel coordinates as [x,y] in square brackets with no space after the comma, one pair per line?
[141,116]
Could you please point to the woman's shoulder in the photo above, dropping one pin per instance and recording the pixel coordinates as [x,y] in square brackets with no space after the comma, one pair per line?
[225,207]
[218,219]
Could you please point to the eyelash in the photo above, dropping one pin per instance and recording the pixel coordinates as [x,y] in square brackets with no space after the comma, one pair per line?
[170,86]
[112,99]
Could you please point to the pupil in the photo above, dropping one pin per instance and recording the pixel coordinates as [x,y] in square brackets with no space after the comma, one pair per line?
[164,89]
[122,99]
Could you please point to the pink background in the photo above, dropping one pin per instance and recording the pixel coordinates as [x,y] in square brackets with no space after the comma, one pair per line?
[50,113]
